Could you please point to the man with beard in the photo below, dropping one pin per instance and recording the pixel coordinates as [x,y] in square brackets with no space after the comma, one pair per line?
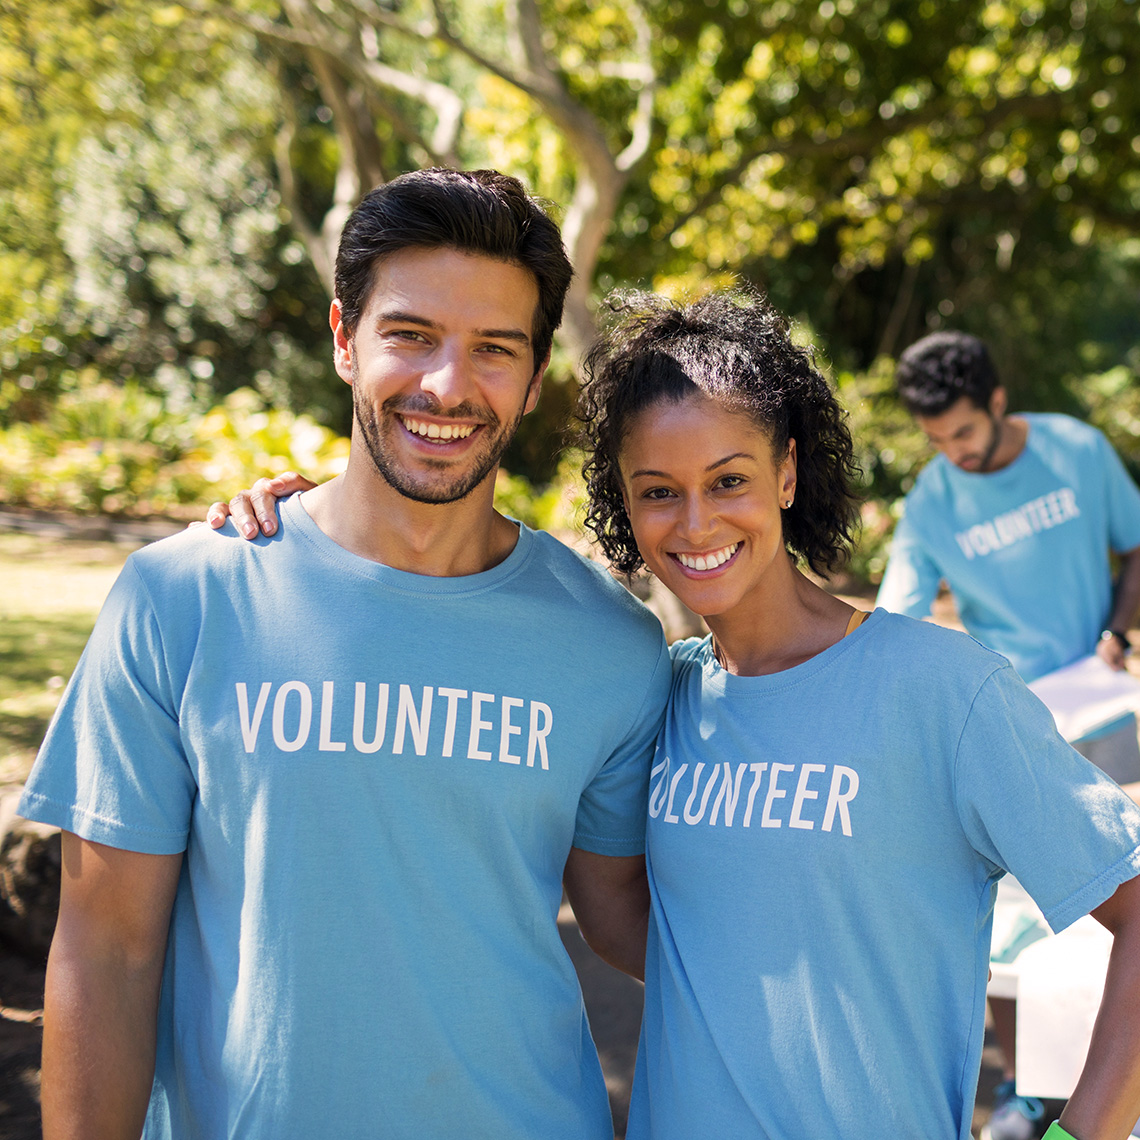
[1019,515]
[320,792]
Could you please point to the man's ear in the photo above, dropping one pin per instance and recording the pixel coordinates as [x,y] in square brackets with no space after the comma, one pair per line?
[342,343]
[999,402]
[535,386]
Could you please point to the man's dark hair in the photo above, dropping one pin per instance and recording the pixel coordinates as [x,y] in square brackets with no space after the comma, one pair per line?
[735,348]
[937,371]
[474,211]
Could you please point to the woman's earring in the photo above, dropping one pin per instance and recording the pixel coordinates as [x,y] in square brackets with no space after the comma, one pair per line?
[787,504]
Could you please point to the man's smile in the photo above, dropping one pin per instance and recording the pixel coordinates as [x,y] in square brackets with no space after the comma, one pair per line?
[444,432]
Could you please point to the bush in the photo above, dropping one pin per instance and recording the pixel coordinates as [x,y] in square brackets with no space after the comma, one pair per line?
[1111,402]
[890,450]
[559,507]
[115,449]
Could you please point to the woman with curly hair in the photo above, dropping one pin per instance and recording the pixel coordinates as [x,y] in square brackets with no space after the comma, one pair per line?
[815,762]
[828,806]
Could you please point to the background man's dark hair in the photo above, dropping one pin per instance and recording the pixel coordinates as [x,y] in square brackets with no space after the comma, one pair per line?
[735,348]
[937,371]
[475,211]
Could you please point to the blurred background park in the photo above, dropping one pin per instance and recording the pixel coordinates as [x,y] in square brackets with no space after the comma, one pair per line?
[174,177]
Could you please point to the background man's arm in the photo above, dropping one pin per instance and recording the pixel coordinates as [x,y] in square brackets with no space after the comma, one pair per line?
[911,580]
[101,998]
[610,898]
[1125,605]
[1106,1101]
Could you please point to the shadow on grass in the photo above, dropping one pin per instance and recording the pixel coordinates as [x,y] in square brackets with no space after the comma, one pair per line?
[37,655]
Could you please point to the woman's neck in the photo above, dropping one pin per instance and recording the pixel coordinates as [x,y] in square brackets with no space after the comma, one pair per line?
[788,625]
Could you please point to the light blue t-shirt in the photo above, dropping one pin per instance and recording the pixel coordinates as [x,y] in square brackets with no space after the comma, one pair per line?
[824,847]
[1024,550]
[376,778]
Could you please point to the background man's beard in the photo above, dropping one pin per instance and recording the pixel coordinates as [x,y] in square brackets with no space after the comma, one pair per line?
[995,440]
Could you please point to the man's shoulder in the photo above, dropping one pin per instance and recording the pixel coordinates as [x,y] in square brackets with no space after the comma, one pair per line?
[576,579]
[194,550]
[1056,428]
[179,574]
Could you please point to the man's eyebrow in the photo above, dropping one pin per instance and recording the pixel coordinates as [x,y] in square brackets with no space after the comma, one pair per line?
[400,315]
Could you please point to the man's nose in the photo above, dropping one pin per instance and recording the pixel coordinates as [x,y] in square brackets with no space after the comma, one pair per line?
[448,377]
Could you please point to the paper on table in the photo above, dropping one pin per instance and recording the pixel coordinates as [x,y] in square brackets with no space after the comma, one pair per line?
[1087,695]
[1059,988]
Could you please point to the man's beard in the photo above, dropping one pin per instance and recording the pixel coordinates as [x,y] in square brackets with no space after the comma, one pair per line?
[495,441]
[995,441]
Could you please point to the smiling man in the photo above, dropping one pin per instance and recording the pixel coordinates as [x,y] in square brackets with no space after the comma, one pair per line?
[320,791]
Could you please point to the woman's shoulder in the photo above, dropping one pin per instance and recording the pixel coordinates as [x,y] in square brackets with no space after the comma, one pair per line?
[913,641]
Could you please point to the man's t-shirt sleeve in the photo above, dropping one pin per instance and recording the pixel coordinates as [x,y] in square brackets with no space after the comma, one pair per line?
[112,768]
[612,809]
[1123,497]
[911,580]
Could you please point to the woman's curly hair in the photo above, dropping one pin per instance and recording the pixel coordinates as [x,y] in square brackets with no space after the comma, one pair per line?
[735,348]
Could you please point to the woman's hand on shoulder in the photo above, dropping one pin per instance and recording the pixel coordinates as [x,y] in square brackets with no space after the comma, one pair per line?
[254,510]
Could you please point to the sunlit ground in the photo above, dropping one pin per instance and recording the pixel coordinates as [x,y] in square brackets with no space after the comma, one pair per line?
[50,594]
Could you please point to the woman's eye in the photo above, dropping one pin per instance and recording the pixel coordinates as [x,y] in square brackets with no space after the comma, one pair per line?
[657,493]
[731,481]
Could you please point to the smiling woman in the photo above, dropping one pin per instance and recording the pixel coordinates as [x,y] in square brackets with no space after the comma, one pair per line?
[812,763]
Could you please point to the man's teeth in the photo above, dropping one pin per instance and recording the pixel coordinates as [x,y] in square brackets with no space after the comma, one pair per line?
[708,561]
[437,431]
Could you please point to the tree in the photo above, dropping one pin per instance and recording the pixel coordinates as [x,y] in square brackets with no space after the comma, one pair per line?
[401,84]
[885,166]
[143,231]
[880,166]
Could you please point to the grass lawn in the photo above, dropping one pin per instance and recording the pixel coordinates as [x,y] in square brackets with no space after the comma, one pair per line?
[50,593]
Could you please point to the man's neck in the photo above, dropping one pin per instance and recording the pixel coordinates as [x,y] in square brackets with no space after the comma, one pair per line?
[1014,434]
[364,514]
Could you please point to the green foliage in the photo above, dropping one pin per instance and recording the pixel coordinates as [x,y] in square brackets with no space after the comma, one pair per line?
[150,241]
[890,451]
[885,168]
[889,447]
[120,450]
[242,439]
[37,653]
[1111,401]
[559,506]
